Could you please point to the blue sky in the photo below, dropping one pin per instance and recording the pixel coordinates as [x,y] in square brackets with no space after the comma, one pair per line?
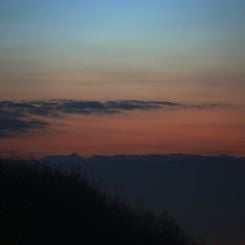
[109,48]
[122,30]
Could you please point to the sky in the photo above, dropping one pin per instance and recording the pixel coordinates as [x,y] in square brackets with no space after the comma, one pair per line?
[190,53]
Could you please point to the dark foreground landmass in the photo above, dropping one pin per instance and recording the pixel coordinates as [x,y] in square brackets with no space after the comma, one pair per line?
[204,193]
[43,205]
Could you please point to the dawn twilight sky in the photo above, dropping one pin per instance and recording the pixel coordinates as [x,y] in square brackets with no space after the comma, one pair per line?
[188,52]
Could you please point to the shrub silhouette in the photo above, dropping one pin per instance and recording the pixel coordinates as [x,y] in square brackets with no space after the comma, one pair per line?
[42,205]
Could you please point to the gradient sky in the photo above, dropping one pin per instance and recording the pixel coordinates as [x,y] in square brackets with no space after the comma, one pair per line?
[189,52]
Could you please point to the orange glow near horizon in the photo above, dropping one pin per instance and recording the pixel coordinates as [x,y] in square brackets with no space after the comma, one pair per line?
[189,131]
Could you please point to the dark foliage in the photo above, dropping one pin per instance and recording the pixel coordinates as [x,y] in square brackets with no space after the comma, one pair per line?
[42,205]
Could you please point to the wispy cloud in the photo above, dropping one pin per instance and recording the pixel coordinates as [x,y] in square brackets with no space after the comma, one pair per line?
[12,123]
[17,116]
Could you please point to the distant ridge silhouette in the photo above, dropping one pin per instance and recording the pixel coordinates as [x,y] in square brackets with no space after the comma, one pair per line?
[204,193]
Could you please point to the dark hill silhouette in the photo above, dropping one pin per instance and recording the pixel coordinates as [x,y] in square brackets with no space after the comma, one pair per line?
[204,193]
[43,205]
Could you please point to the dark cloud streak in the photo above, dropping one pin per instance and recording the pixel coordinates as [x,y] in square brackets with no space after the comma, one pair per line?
[17,116]
[12,123]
